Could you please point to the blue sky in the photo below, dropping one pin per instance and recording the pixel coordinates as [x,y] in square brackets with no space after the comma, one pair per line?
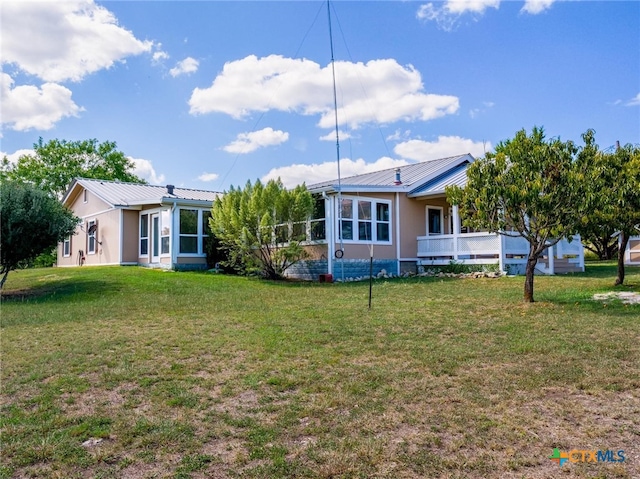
[209,94]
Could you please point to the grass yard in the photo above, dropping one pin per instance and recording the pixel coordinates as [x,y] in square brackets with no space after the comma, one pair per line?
[134,373]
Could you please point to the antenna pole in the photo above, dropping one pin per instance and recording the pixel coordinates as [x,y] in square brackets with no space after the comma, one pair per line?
[335,111]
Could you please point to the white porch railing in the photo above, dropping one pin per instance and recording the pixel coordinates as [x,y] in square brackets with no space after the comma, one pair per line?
[491,248]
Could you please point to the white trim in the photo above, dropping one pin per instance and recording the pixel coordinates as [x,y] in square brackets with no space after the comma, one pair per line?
[93,215]
[397,212]
[94,236]
[140,237]
[355,220]
[121,237]
[66,240]
[426,216]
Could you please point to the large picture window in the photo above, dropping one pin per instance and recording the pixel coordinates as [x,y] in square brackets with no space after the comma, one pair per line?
[189,231]
[365,220]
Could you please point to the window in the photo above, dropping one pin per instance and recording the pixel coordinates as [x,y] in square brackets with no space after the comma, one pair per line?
[189,231]
[92,230]
[144,235]
[434,221]
[84,196]
[165,232]
[317,227]
[365,220]
[66,247]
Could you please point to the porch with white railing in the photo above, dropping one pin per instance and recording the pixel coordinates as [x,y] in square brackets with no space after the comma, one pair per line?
[491,248]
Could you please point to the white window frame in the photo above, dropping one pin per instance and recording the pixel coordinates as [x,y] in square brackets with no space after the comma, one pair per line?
[426,215]
[84,196]
[356,219]
[91,236]
[66,247]
[140,237]
[201,232]
[165,214]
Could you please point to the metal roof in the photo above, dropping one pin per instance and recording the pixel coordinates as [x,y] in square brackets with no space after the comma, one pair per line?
[117,193]
[456,176]
[412,176]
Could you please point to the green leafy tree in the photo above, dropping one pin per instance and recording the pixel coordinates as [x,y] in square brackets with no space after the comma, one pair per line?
[54,164]
[612,195]
[32,222]
[530,187]
[259,228]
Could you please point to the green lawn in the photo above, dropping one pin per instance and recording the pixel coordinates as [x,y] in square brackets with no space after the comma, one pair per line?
[199,375]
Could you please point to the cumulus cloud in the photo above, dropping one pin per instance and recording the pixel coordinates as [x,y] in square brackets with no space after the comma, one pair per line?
[59,41]
[248,142]
[534,7]
[13,157]
[145,170]
[379,91]
[448,14]
[159,56]
[208,176]
[186,66]
[331,136]
[445,146]
[635,101]
[26,107]
[297,174]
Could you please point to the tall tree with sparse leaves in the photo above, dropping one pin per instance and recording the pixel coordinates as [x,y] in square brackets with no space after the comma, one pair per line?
[530,187]
[260,227]
[32,222]
[53,165]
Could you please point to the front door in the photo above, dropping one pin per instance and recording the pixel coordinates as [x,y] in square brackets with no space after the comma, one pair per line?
[434,221]
[155,238]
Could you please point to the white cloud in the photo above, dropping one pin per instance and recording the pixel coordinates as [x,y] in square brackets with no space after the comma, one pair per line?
[26,107]
[635,101]
[159,56]
[450,12]
[399,135]
[248,142]
[445,146]
[59,41]
[298,173]
[536,6]
[145,170]
[331,136]
[13,157]
[380,91]
[208,176]
[188,65]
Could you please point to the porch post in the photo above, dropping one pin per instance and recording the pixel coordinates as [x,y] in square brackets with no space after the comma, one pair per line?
[456,230]
[328,224]
[501,252]
[552,267]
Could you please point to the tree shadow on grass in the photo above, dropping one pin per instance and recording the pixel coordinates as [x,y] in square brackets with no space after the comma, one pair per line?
[59,291]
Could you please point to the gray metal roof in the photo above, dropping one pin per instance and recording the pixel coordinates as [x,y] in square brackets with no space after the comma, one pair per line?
[117,193]
[412,176]
[456,176]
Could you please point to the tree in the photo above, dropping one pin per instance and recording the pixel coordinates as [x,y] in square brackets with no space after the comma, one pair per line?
[612,195]
[32,222]
[54,164]
[530,187]
[260,227]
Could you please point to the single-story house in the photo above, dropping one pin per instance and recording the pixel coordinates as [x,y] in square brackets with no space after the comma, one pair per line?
[136,224]
[402,217]
[632,255]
